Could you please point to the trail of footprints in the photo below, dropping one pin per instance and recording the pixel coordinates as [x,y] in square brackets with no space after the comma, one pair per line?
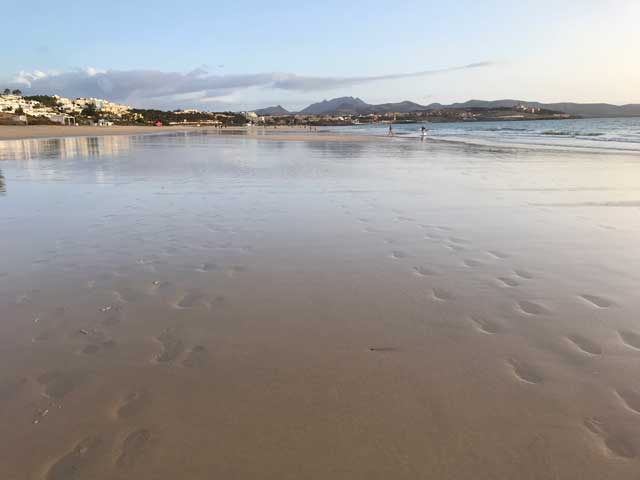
[79,461]
[614,443]
[132,447]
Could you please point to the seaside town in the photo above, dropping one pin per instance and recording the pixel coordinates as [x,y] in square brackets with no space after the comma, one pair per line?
[18,109]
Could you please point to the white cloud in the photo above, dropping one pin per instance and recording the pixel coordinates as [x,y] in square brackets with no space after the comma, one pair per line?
[164,89]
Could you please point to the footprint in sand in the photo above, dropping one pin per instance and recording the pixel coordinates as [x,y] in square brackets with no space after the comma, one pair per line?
[161,286]
[47,334]
[525,372]
[523,274]
[630,399]
[192,299]
[134,447]
[197,357]
[94,348]
[133,404]
[458,240]
[629,338]
[471,263]
[597,301]
[441,295]
[532,308]
[112,315]
[508,281]
[585,345]
[432,236]
[618,445]
[172,346]
[485,325]
[209,267]
[236,269]
[399,254]
[498,254]
[423,271]
[127,295]
[73,465]
[58,384]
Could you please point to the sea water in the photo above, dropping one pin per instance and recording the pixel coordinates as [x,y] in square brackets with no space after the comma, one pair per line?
[591,133]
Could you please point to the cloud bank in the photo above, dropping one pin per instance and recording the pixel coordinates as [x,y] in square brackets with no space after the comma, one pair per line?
[154,87]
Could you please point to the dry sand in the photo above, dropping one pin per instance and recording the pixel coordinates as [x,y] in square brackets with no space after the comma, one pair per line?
[197,308]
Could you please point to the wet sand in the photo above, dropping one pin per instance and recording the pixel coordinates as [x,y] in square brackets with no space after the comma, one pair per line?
[196,306]
[281,133]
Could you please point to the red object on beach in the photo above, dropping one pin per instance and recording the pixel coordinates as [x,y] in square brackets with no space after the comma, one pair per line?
[158,124]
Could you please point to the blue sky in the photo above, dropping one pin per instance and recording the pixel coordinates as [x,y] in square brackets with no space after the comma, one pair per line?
[247,54]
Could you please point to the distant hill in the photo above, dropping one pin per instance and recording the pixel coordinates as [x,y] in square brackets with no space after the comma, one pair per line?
[273,111]
[356,106]
[337,106]
[579,109]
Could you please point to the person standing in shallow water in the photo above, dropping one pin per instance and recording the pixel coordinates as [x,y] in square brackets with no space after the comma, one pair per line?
[390,134]
[423,133]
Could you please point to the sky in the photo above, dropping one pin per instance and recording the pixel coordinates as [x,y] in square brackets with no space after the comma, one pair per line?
[250,54]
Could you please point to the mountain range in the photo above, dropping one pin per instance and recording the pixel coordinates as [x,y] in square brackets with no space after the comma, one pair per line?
[356,106]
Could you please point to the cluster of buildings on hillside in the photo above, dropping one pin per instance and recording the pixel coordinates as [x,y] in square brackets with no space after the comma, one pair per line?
[98,111]
[59,110]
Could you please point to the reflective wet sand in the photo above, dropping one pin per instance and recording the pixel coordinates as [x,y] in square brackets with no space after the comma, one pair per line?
[196,306]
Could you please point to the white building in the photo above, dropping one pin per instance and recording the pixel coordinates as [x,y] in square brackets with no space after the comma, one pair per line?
[13,103]
[102,106]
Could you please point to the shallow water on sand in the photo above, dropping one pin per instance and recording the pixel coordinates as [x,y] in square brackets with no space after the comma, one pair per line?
[195,306]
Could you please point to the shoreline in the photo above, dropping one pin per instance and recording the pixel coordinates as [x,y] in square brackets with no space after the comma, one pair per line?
[284,134]
[34,132]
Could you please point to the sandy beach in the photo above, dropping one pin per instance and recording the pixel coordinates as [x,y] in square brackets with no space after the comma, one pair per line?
[201,306]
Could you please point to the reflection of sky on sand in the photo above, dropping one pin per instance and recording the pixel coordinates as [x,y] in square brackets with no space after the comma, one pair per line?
[41,158]
[64,148]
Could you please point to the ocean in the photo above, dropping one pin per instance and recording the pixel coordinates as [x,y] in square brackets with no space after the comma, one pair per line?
[589,133]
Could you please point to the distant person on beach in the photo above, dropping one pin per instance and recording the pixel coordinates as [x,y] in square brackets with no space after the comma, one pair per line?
[423,133]
[390,134]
